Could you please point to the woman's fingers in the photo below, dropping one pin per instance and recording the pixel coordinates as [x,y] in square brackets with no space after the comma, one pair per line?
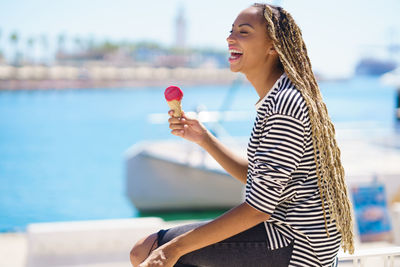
[178,132]
[188,120]
[177,126]
[175,120]
[178,120]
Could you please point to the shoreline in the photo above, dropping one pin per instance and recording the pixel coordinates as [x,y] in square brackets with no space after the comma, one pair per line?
[33,85]
[70,77]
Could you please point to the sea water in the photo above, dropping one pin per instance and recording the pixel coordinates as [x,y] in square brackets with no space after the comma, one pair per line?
[62,151]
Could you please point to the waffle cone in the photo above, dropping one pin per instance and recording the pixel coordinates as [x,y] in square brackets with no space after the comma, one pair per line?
[175,105]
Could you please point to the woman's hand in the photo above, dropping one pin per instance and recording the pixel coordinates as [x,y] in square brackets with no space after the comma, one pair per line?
[160,257]
[190,129]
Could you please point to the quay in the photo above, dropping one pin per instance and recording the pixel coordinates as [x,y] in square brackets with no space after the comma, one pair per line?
[107,76]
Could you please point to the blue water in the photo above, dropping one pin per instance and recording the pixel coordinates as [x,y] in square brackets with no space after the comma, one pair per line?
[62,152]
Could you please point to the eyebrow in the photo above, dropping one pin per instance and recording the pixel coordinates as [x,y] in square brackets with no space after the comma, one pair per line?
[244,24]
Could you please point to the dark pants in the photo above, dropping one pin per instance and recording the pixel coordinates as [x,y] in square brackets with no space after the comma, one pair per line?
[246,249]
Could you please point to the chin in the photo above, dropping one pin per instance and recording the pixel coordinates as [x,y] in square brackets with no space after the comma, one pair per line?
[234,68]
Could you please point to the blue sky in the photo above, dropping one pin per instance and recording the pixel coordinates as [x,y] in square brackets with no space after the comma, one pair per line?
[337,33]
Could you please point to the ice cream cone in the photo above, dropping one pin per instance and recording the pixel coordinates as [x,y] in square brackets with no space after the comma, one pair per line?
[173,95]
[175,105]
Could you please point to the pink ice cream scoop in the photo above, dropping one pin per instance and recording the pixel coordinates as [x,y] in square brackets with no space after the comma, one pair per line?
[173,95]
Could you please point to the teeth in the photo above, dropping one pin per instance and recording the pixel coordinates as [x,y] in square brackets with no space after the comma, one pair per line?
[235,51]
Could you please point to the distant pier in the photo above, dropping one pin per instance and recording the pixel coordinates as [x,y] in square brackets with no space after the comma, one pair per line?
[99,76]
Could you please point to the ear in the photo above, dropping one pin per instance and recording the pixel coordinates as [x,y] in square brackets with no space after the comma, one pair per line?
[271,50]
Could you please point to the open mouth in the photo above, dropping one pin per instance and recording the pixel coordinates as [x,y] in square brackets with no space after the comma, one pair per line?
[235,54]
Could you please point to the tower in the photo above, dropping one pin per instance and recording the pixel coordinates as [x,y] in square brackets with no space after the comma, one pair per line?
[180,29]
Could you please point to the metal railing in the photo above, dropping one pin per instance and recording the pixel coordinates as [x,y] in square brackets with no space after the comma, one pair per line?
[361,256]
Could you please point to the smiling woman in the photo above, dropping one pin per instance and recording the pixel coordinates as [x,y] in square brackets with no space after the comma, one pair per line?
[296,210]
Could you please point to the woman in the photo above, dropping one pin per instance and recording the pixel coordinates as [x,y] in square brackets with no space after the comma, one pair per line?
[296,211]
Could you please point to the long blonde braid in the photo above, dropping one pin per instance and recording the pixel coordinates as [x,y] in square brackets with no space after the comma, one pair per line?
[292,51]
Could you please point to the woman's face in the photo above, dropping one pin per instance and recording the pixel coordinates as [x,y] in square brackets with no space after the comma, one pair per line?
[249,44]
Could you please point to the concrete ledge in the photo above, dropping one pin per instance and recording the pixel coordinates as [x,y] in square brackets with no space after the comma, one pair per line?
[86,242]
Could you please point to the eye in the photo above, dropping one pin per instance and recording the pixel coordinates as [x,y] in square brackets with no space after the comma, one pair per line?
[242,32]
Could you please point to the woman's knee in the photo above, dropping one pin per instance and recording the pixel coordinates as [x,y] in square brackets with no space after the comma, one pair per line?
[142,249]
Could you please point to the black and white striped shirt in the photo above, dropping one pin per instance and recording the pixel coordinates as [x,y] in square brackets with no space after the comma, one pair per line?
[282,180]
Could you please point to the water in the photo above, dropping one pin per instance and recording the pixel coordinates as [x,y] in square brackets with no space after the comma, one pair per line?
[62,152]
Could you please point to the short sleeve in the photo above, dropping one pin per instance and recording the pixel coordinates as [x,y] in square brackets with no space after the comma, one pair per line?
[281,148]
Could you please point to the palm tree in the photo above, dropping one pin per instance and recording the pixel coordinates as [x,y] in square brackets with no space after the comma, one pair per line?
[78,43]
[1,52]
[30,42]
[45,46]
[90,43]
[14,38]
[61,42]
[60,53]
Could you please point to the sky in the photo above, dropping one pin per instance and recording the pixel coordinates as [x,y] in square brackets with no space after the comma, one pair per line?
[337,33]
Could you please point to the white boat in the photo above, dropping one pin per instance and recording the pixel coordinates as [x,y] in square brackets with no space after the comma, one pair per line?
[178,175]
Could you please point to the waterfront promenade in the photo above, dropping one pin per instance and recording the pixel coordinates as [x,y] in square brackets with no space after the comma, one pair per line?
[91,75]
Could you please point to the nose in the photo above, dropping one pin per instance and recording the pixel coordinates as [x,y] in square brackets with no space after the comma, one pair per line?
[230,39]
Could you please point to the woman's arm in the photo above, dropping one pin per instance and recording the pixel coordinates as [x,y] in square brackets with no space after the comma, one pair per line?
[229,224]
[193,130]
[235,165]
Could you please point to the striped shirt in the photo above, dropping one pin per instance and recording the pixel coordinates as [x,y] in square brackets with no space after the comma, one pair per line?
[282,180]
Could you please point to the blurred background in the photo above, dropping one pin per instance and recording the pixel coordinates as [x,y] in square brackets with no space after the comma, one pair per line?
[81,98]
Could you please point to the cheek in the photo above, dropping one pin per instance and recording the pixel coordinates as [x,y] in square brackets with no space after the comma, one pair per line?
[258,52]
[258,45]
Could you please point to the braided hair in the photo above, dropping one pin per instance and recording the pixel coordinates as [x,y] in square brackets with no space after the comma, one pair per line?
[293,58]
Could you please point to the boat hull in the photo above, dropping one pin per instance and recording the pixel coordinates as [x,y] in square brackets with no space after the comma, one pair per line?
[155,183]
